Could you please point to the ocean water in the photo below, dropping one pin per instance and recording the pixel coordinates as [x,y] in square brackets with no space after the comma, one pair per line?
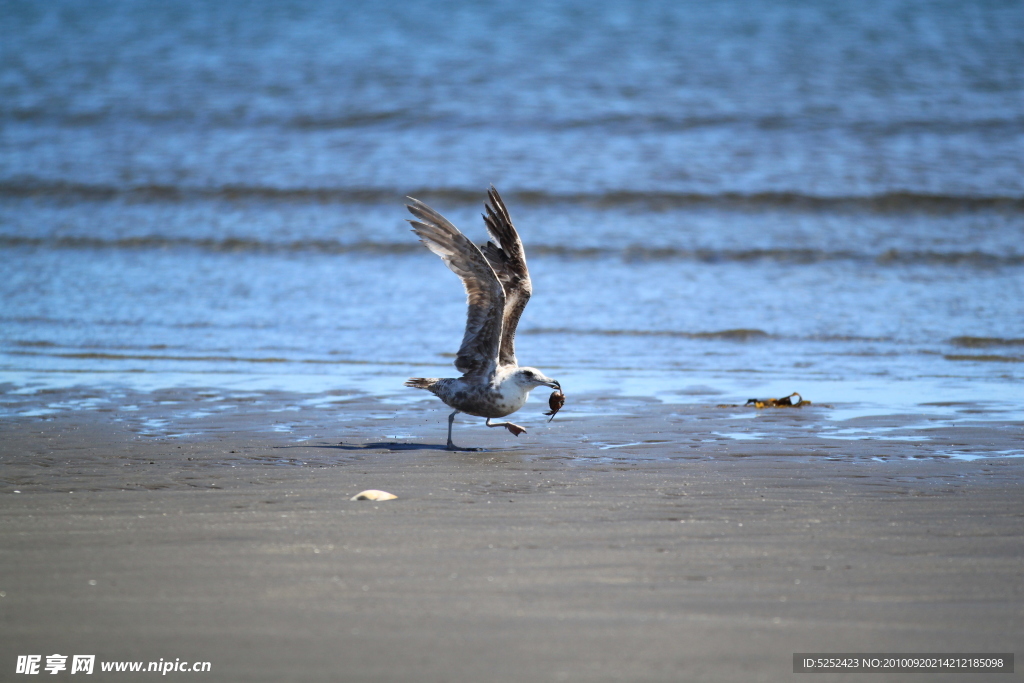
[718,199]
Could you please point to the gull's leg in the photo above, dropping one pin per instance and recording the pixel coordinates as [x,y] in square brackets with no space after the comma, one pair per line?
[451,446]
[451,420]
[515,429]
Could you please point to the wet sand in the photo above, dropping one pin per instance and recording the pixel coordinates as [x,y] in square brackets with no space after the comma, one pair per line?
[628,540]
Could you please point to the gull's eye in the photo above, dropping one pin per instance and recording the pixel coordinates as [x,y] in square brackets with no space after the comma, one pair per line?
[528,374]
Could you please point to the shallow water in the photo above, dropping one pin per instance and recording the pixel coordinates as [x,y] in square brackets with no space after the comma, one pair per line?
[718,201]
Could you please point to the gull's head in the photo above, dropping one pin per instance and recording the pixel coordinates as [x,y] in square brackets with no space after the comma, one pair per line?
[530,378]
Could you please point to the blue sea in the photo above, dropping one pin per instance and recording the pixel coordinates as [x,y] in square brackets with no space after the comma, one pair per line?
[718,199]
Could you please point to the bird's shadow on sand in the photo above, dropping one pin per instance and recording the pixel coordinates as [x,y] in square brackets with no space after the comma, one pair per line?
[393,446]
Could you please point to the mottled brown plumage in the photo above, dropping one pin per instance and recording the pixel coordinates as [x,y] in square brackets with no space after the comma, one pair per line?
[478,353]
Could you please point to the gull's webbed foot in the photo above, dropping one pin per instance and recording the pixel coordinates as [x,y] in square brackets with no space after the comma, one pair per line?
[515,429]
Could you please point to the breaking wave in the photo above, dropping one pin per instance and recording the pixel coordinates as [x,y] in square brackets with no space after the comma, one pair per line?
[205,358]
[741,334]
[231,244]
[984,358]
[630,253]
[888,202]
[984,342]
[401,117]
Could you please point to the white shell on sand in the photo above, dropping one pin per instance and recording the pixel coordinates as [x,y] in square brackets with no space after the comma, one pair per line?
[373,494]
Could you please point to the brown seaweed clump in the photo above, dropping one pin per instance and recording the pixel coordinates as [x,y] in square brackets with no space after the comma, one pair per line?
[555,402]
[784,402]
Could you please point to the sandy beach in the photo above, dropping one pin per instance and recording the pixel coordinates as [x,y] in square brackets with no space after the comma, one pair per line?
[628,540]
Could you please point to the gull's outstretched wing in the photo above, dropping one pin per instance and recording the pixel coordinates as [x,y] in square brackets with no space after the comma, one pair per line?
[509,263]
[478,354]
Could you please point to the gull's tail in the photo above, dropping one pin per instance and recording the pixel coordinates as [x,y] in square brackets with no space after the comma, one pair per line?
[421,382]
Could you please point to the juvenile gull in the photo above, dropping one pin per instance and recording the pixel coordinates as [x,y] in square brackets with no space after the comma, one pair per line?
[497,290]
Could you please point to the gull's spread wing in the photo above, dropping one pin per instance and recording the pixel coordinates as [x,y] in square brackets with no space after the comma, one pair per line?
[507,258]
[478,354]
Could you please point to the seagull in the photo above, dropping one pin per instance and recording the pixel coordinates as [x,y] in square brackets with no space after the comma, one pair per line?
[497,289]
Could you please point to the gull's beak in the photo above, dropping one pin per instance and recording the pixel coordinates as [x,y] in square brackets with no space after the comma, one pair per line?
[554,385]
